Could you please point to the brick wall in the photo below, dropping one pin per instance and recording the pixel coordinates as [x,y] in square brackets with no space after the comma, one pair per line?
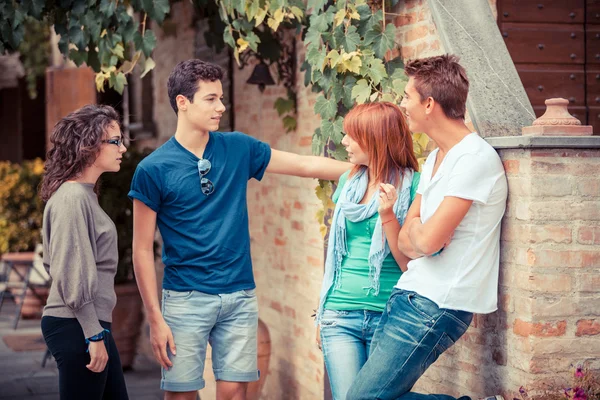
[287,248]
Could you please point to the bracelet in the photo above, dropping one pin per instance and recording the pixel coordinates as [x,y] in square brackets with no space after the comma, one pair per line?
[96,338]
[389,220]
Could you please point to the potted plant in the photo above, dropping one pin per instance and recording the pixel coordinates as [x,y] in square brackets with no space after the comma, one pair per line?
[21,212]
[128,313]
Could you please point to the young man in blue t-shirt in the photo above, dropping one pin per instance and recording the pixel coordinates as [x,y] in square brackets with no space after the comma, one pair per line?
[194,188]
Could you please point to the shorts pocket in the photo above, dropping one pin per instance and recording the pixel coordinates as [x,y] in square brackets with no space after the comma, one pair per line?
[248,293]
[174,294]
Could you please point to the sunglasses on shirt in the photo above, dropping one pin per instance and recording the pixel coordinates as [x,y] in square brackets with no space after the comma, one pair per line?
[206,185]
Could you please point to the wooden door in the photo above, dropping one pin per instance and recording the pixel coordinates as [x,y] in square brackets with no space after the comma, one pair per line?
[555,45]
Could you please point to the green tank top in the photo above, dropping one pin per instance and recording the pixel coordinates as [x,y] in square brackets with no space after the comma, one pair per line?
[354,276]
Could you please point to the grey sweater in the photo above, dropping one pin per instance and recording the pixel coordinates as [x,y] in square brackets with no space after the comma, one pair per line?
[80,254]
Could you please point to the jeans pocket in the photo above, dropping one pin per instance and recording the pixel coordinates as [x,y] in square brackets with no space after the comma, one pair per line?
[425,307]
[331,317]
[443,344]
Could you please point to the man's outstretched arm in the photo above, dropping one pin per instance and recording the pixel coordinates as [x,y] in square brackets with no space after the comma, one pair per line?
[286,163]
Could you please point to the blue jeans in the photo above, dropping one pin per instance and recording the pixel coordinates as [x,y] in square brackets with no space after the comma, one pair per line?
[412,334]
[346,341]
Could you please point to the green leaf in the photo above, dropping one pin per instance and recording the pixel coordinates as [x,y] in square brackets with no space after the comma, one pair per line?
[284,105]
[350,40]
[78,57]
[108,7]
[118,81]
[253,41]
[149,65]
[313,36]
[327,78]
[333,129]
[321,22]
[362,91]
[316,5]
[316,58]
[130,28]
[388,97]
[289,123]
[306,68]
[381,41]
[156,9]
[118,50]
[92,25]
[317,142]
[34,7]
[78,7]
[368,19]
[398,86]
[395,66]
[339,153]
[240,6]
[145,43]
[77,38]
[337,90]
[349,85]
[377,71]
[228,37]
[325,108]
[252,8]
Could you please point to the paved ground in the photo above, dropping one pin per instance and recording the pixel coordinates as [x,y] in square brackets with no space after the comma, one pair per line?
[23,378]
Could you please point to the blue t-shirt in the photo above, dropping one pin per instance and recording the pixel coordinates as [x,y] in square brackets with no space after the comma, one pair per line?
[206,241]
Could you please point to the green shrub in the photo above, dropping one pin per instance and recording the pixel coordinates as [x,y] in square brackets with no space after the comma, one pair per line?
[21,209]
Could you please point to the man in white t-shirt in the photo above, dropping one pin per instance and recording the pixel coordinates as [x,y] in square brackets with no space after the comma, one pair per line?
[452,233]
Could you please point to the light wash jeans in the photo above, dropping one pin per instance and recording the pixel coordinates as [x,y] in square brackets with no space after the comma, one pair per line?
[412,334]
[346,341]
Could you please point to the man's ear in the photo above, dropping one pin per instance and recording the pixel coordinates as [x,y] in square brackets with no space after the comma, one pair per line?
[430,105]
[182,102]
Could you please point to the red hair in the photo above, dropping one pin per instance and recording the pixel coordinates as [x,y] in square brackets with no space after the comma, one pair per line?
[381,131]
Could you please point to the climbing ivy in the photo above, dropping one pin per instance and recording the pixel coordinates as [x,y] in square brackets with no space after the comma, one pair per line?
[347,47]
[101,33]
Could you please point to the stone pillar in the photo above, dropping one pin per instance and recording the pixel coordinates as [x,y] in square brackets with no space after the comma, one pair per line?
[548,317]
[497,102]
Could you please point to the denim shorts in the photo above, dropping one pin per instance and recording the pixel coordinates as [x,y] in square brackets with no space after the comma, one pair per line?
[228,322]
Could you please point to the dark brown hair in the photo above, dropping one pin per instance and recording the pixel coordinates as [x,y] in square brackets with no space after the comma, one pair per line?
[75,143]
[185,77]
[381,131]
[444,80]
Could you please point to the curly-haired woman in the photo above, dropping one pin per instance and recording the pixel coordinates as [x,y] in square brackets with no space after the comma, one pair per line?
[80,254]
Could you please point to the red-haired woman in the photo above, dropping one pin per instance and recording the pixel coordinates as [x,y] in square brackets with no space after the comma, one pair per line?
[80,253]
[363,260]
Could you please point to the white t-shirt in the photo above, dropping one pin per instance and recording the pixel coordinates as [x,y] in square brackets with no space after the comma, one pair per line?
[464,276]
